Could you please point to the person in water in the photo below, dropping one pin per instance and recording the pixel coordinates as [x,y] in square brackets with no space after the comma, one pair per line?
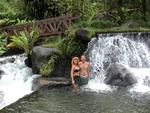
[75,72]
[84,70]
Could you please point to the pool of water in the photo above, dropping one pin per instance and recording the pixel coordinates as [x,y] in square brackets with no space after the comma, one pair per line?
[63,100]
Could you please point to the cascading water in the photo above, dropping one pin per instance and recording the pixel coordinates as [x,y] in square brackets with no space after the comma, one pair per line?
[128,49]
[16,80]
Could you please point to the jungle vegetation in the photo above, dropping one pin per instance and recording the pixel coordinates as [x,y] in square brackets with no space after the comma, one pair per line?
[94,15]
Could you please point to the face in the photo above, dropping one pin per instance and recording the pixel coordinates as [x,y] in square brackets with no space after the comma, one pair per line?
[75,61]
[83,58]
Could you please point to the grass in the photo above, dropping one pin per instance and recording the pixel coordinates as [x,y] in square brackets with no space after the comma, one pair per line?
[54,42]
[117,30]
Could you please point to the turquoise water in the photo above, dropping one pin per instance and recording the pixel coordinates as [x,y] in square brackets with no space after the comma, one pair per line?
[63,100]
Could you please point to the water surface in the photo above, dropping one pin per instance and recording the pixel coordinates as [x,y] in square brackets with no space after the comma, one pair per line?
[63,100]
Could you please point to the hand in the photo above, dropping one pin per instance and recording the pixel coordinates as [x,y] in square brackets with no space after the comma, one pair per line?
[73,82]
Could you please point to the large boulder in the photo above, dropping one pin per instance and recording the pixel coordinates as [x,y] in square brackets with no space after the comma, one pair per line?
[40,55]
[119,75]
[83,35]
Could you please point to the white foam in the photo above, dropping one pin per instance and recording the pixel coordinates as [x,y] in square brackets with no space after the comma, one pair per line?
[16,82]
[105,50]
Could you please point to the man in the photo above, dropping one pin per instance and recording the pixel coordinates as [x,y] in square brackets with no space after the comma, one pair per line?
[84,70]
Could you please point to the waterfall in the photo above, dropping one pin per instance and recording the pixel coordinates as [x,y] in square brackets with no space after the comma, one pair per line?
[131,50]
[16,80]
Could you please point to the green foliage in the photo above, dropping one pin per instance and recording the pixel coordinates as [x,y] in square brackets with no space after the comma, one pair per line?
[3,43]
[21,42]
[85,9]
[103,24]
[47,69]
[20,21]
[11,9]
[25,40]
[54,42]
[51,8]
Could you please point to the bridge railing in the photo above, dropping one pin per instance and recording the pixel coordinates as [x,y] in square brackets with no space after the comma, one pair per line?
[47,27]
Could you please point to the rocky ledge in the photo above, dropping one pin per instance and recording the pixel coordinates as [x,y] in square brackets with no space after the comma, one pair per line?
[53,82]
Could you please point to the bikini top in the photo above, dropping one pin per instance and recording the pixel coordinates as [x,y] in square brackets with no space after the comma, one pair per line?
[77,69]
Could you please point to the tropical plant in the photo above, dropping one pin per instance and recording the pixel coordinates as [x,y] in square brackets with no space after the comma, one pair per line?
[25,40]
[11,8]
[48,68]
[23,21]
[52,8]
[55,42]
[3,43]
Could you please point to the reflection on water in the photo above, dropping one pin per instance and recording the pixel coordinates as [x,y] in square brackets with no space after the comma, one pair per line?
[63,100]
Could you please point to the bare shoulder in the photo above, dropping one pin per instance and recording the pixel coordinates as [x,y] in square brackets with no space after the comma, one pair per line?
[80,62]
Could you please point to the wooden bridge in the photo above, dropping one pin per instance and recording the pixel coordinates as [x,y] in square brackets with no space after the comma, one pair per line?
[47,27]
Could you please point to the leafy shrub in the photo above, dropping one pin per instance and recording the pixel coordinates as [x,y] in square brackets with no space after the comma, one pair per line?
[25,40]
[103,24]
[20,21]
[47,69]
[11,9]
[3,43]
[52,8]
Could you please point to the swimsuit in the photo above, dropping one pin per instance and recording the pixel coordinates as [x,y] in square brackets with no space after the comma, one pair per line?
[77,77]
[80,79]
[77,69]
[83,80]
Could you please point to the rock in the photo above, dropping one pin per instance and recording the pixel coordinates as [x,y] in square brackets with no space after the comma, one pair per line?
[83,35]
[104,16]
[35,82]
[54,82]
[40,55]
[119,75]
[8,60]
[1,72]
[12,51]
[28,61]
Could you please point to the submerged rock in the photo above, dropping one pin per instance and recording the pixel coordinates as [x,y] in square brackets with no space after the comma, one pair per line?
[119,75]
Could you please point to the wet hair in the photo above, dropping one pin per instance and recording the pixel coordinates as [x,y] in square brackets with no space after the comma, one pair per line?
[74,58]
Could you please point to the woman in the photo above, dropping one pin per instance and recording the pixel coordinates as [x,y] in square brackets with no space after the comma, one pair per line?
[75,72]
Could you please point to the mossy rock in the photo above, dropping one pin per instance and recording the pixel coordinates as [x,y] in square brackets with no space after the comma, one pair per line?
[40,56]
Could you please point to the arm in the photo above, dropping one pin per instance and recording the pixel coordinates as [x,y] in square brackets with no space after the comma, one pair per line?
[71,74]
[88,69]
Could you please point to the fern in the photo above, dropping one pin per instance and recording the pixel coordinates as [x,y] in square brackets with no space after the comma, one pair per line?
[24,41]
[48,68]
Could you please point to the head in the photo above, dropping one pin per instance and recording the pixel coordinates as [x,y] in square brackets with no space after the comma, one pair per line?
[83,58]
[75,61]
